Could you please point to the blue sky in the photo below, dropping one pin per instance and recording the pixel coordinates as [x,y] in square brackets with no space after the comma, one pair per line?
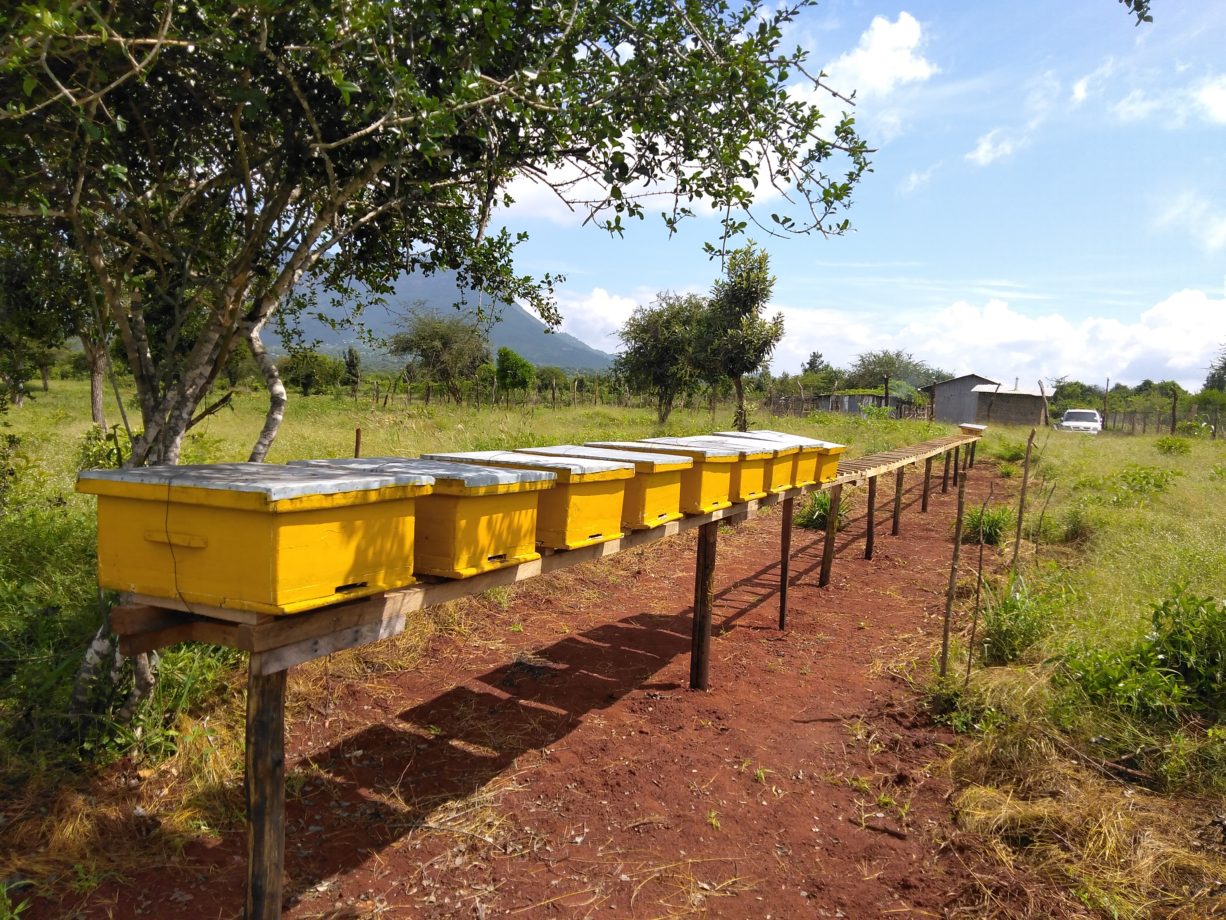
[1048,198]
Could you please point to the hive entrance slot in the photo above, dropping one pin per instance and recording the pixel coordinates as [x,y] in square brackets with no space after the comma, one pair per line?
[497,557]
[593,536]
[352,586]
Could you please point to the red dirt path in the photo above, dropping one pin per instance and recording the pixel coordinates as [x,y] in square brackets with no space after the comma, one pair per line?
[560,767]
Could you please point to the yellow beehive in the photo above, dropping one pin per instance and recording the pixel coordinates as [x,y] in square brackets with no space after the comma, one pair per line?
[783,465]
[478,518]
[706,486]
[585,505]
[653,496]
[749,472]
[969,428]
[253,536]
[815,460]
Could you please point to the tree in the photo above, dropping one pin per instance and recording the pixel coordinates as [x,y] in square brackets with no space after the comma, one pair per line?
[658,349]
[1216,378]
[734,338]
[872,367]
[445,349]
[311,371]
[815,364]
[549,380]
[206,159]
[513,372]
[352,377]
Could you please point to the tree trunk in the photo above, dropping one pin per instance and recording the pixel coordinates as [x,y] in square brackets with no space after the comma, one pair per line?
[96,353]
[44,371]
[740,422]
[277,396]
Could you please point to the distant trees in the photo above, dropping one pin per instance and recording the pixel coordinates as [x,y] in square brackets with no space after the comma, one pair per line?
[872,367]
[513,372]
[658,349]
[733,336]
[446,350]
[1216,378]
[311,371]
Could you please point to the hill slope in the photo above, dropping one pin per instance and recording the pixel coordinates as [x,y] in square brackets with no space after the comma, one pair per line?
[516,328]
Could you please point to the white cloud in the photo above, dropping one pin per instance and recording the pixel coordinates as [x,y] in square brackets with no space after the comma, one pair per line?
[1211,99]
[916,179]
[1092,83]
[1177,339]
[887,56]
[595,317]
[1192,213]
[1138,105]
[992,146]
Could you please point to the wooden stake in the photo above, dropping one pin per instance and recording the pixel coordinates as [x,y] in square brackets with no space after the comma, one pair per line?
[785,553]
[957,450]
[970,460]
[945,475]
[265,788]
[704,600]
[1021,504]
[927,485]
[896,526]
[357,442]
[872,517]
[832,525]
[953,578]
[970,646]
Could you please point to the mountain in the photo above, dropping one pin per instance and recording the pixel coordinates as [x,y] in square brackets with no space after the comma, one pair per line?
[516,328]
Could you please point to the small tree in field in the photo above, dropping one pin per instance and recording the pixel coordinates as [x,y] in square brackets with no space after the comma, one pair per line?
[658,349]
[514,372]
[734,338]
[445,349]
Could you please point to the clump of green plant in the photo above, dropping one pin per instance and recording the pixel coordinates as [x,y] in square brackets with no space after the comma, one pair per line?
[987,525]
[1077,522]
[1006,469]
[1217,471]
[1192,428]
[813,516]
[1177,669]
[1010,451]
[1131,486]
[100,449]
[1014,619]
[1171,445]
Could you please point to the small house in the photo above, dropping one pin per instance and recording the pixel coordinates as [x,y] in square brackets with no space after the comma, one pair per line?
[1018,405]
[955,400]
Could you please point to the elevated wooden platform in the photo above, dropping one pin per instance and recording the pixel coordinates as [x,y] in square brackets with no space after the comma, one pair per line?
[277,643]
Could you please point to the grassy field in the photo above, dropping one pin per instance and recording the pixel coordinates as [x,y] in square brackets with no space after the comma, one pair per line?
[1091,719]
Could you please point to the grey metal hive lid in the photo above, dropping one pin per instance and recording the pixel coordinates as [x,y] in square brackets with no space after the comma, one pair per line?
[737,447]
[471,476]
[608,453]
[274,481]
[649,443]
[574,465]
[783,437]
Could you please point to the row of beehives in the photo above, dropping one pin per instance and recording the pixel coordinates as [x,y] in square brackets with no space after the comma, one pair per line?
[283,539]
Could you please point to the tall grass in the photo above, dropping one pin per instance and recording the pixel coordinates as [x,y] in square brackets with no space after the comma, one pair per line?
[1104,677]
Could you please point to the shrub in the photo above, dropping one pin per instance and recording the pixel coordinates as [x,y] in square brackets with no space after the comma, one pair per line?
[1077,523]
[1006,469]
[987,525]
[813,515]
[1013,621]
[1218,471]
[98,449]
[1177,668]
[1192,429]
[1170,445]
[1010,451]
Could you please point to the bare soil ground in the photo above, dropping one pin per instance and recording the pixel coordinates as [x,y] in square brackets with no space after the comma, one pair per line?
[558,766]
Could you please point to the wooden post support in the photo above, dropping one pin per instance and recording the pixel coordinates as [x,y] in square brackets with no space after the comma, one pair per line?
[896,526]
[957,450]
[832,526]
[871,516]
[945,475]
[951,591]
[357,442]
[265,788]
[704,600]
[927,484]
[785,553]
[970,461]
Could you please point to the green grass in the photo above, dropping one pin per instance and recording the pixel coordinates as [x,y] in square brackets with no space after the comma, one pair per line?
[1112,653]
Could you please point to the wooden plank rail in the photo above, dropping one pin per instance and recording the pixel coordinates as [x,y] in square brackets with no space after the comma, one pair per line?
[277,643]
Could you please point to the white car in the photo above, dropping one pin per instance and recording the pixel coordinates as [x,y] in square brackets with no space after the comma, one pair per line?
[1085,421]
